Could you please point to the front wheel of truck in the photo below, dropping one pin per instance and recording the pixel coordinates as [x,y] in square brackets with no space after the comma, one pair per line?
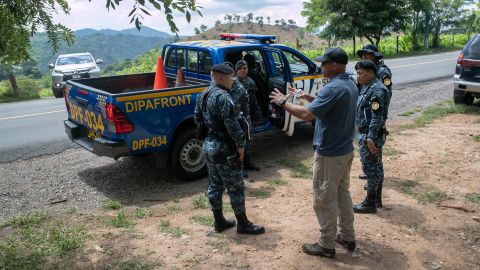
[187,159]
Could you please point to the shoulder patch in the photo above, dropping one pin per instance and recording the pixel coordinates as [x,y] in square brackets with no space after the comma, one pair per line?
[375,105]
[387,81]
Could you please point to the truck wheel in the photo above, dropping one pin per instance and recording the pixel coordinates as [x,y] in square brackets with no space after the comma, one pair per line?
[460,97]
[57,94]
[187,161]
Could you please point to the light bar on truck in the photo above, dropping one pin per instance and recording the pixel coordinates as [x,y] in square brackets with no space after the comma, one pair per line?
[261,38]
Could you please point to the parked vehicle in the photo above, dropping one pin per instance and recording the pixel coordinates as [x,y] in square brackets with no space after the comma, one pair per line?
[72,66]
[466,80]
[117,116]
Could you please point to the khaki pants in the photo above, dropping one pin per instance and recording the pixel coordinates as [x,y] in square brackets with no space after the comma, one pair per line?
[331,198]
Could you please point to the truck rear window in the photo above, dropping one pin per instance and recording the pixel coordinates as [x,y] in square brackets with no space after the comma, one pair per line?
[199,61]
[473,51]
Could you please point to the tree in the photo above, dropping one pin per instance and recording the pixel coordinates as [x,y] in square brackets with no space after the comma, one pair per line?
[268,20]
[19,19]
[418,10]
[445,14]
[141,7]
[203,28]
[370,19]
[292,23]
[197,31]
[217,24]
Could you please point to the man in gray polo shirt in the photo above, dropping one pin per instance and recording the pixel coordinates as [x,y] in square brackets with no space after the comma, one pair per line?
[334,111]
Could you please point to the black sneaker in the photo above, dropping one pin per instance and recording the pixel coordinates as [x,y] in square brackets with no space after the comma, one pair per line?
[317,250]
[346,244]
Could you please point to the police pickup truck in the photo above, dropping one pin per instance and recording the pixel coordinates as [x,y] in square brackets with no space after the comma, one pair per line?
[119,116]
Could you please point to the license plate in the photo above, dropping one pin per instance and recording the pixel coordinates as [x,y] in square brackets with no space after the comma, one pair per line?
[76,76]
[92,134]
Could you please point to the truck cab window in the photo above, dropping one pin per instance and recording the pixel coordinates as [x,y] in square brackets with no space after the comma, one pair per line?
[298,66]
[171,58]
[279,69]
[204,62]
[192,61]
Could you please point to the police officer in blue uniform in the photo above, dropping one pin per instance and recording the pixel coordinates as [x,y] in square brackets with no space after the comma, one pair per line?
[223,148]
[242,79]
[370,52]
[370,120]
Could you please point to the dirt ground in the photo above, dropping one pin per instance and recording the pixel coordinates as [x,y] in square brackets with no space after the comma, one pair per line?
[419,227]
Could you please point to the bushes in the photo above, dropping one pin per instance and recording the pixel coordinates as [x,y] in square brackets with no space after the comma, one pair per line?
[388,45]
[28,89]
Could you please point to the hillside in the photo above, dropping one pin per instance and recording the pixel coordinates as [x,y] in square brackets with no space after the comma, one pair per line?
[110,45]
[290,35]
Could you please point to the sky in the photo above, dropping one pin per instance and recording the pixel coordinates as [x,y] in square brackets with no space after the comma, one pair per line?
[85,14]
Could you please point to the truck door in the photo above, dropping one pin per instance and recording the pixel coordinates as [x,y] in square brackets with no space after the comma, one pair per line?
[278,76]
[305,76]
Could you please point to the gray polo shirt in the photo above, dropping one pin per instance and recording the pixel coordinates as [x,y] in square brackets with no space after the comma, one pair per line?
[334,108]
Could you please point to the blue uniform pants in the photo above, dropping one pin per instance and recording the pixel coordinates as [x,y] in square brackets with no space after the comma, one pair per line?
[372,165]
[221,176]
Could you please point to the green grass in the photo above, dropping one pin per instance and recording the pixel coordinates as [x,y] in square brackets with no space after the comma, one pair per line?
[408,113]
[174,207]
[165,227]
[141,213]
[476,138]
[277,182]
[121,220]
[301,169]
[45,92]
[200,202]
[406,186]
[134,264]
[203,220]
[431,196]
[473,197]
[437,111]
[219,243]
[25,220]
[390,151]
[111,204]
[262,192]
[37,242]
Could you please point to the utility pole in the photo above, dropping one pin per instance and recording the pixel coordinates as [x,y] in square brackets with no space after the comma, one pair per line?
[427,27]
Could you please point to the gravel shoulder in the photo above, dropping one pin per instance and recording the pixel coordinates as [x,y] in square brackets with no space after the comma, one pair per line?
[78,179]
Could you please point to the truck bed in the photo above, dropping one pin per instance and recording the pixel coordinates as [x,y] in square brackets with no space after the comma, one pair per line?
[131,83]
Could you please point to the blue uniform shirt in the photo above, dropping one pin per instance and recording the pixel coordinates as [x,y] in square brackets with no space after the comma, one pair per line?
[334,108]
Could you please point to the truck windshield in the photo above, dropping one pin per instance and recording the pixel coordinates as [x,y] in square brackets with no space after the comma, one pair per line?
[73,60]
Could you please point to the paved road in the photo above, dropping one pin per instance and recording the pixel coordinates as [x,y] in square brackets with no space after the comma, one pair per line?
[417,69]
[33,128]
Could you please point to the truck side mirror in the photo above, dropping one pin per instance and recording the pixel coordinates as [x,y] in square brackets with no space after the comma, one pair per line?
[99,61]
[51,65]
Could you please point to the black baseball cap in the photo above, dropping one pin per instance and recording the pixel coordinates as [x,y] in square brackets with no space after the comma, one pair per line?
[240,63]
[370,48]
[337,55]
[222,68]
[366,65]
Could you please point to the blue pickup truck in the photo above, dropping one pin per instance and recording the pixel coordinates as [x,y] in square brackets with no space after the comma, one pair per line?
[119,116]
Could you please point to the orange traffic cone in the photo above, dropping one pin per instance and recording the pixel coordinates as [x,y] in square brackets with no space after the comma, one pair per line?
[160,78]
[180,81]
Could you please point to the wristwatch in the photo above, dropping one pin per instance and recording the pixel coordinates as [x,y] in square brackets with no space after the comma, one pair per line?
[282,102]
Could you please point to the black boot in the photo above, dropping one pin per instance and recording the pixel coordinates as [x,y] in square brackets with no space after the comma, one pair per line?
[244,226]
[368,205]
[378,198]
[248,165]
[221,224]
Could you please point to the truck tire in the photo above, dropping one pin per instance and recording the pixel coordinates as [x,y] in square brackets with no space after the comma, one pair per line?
[460,97]
[187,161]
[57,94]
